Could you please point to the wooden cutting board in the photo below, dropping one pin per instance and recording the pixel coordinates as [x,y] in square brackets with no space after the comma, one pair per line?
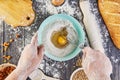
[17,12]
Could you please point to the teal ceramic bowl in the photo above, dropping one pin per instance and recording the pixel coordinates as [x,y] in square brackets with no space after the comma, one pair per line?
[77,26]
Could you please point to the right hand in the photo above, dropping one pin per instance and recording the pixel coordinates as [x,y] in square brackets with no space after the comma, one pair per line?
[97,65]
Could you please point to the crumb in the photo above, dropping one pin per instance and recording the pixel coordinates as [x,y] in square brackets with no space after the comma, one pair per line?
[6,44]
[7,57]
[11,40]
[5,48]
[4,61]
[17,35]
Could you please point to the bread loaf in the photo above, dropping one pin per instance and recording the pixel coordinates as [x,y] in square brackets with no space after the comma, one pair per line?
[110,11]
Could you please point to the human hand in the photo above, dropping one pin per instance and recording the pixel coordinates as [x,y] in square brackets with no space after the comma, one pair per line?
[31,56]
[97,65]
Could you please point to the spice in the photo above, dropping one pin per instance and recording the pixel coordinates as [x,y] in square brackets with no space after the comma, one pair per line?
[80,75]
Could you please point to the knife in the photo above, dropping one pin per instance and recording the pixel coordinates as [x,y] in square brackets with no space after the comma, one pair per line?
[91,26]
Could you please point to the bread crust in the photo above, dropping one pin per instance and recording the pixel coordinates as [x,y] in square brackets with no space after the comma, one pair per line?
[110,11]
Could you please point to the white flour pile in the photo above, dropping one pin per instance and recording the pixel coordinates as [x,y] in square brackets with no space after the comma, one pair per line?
[56,26]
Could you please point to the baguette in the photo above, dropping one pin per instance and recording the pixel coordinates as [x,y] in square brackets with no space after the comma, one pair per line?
[110,11]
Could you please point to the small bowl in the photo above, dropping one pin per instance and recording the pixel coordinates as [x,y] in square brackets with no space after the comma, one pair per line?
[75,72]
[5,65]
[78,28]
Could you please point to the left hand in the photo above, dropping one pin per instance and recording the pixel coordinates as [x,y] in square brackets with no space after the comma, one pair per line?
[31,56]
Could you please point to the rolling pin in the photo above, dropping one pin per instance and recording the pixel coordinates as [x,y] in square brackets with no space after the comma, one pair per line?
[91,26]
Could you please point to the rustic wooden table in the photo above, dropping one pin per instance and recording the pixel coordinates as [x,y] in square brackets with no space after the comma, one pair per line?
[43,9]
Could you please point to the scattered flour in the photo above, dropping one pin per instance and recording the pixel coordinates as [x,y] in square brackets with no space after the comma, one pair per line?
[1,23]
[114,59]
[51,9]
[109,47]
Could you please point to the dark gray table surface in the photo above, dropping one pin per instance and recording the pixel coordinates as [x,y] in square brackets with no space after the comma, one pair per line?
[43,9]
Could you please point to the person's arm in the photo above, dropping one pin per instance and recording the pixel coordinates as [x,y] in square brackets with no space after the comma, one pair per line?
[31,57]
[17,75]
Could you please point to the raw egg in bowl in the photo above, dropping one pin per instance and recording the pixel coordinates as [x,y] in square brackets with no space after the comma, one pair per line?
[61,36]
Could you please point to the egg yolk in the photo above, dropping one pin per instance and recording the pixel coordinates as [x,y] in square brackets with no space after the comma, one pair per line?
[62,40]
[59,38]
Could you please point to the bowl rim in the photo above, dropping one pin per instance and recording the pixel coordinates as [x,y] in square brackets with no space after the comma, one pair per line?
[75,71]
[7,64]
[76,25]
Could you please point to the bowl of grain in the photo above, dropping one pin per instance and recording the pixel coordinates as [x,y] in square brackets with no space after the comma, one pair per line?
[79,74]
